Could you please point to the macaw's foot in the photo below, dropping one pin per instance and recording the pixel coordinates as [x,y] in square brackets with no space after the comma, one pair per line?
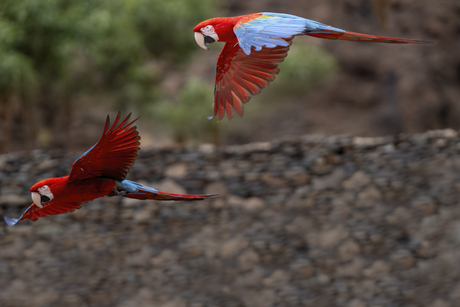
[116,192]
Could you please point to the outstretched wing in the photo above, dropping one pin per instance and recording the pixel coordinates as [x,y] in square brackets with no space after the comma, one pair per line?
[34,212]
[271,29]
[112,156]
[239,76]
[267,29]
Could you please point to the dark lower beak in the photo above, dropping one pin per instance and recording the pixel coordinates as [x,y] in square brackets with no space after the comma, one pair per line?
[209,40]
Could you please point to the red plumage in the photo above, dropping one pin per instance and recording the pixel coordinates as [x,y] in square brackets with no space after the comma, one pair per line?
[240,76]
[112,156]
[99,172]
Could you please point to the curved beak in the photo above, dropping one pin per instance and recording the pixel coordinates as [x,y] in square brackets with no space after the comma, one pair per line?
[200,40]
[37,199]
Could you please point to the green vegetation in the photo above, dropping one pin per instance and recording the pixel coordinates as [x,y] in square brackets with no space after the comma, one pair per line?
[51,51]
[304,67]
[187,116]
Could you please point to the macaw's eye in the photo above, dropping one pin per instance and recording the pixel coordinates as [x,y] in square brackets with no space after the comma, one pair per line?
[44,189]
[45,194]
[208,29]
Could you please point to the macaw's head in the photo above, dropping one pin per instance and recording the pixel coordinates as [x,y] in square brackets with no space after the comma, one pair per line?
[42,192]
[218,29]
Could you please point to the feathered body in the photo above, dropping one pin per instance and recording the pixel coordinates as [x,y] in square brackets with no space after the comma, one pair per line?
[254,46]
[99,172]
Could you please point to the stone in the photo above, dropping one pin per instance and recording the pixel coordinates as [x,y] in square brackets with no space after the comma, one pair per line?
[353,268]
[331,181]
[171,186]
[398,216]
[403,258]
[231,247]
[376,268]
[15,200]
[440,303]
[47,297]
[348,249]
[253,204]
[278,276]
[252,278]
[356,303]
[207,148]
[217,187]
[252,176]
[323,279]
[235,201]
[368,196]
[13,249]
[140,257]
[46,165]
[272,180]
[253,298]
[144,215]
[358,180]
[176,171]
[248,259]
[327,238]
[166,256]
[176,302]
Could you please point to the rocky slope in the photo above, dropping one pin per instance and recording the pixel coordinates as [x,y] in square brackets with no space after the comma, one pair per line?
[310,221]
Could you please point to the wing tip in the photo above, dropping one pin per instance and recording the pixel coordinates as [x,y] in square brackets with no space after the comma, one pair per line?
[10,221]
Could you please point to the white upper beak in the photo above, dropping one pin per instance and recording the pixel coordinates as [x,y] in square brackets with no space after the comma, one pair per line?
[199,38]
[37,199]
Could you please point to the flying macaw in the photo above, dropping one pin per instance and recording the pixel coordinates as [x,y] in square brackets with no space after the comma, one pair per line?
[254,46]
[99,172]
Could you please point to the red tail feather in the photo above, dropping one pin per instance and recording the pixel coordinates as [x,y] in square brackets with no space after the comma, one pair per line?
[158,195]
[352,36]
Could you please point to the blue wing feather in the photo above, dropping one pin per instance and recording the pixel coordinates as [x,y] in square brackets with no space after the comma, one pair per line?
[13,221]
[269,30]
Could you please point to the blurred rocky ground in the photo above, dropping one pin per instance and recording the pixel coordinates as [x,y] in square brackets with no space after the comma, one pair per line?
[308,221]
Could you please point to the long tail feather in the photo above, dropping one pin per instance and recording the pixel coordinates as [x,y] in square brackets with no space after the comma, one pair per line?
[352,36]
[158,195]
[132,189]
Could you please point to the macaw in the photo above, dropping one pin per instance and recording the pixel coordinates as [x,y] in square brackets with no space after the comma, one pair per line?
[99,172]
[254,46]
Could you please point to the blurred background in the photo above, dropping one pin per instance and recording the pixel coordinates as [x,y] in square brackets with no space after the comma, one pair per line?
[64,65]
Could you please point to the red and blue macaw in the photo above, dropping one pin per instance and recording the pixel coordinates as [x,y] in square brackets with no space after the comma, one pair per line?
[254,46]
[99,172]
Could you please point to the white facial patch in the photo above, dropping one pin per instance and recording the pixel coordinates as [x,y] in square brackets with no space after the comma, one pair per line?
[209,31]
[46,191]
